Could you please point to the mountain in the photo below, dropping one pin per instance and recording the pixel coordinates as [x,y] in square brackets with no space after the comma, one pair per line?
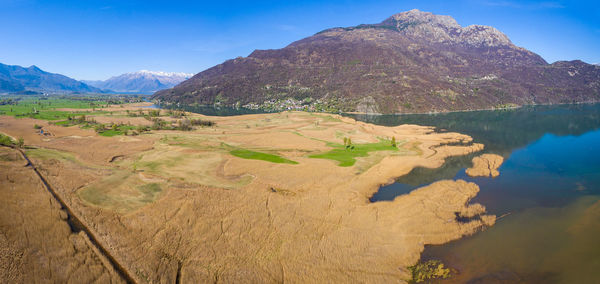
[411,62]
[15,78]
[141,82]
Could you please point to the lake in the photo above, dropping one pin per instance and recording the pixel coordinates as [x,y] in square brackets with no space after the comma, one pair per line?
[547,196]
[209,110]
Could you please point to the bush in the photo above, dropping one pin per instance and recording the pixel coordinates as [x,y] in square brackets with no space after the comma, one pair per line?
[5,140]
[176,113]
[154,113]
[184,125]
[36,126]
[20,142]
[429,270]
[99,127]
[141,128]
[201,122]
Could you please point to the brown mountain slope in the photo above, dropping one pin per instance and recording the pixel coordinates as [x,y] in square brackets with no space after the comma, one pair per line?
[412,62]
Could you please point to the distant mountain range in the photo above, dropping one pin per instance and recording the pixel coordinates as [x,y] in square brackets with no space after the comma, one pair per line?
[141,82]
[411,62]
[17,79]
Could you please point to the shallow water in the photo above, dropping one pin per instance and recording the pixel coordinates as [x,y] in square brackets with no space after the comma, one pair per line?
[548,194]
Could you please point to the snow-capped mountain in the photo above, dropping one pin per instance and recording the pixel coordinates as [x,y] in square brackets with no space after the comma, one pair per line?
[143,81]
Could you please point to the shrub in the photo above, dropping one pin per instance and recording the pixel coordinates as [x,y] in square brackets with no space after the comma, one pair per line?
[184,125]
[154,113]
[201,122]
[141,128]
[429,270]
[36,126]
[99,127]
[5,140]
[20,142]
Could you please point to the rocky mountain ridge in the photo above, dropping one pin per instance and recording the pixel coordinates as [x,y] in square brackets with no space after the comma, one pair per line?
[18,79]
[143,81]
[411,62]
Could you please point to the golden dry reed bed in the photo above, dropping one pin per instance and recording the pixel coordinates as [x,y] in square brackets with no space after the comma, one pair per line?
[249,199]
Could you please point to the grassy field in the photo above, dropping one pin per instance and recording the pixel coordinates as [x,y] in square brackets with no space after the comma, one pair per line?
[247,154]
[122,191]
[119,130]
[346,156]
[46,108]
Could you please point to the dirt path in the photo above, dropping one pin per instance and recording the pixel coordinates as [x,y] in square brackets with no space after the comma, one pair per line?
[77,226]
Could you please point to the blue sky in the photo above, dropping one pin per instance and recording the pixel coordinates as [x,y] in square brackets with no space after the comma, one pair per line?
[92,39]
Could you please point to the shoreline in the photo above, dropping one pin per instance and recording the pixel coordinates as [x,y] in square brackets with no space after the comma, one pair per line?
[287,203]
[396,114]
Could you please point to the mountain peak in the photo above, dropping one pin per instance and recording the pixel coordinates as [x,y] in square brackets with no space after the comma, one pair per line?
[143,81]
[416,17]
[35,68]
[15,78]
[445,29]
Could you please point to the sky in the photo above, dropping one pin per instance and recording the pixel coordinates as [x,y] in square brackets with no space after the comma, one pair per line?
[94,40]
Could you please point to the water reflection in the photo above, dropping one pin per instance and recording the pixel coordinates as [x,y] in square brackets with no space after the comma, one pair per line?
[211,110]
[502,131]
[548,190]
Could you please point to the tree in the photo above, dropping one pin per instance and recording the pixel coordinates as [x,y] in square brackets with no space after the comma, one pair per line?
[393,141]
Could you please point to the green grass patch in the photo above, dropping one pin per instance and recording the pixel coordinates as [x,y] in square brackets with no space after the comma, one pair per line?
[48,154]
[122,192]
[252,155]
[46,108]
[149,192]
[5,140]
[120,130]
[346,156]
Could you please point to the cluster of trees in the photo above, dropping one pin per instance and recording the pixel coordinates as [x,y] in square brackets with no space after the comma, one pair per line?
[348,143]
[181,124]
[9,101]
[156,113]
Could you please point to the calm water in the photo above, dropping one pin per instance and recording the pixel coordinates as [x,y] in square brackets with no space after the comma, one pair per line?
[548,193]
[210,110]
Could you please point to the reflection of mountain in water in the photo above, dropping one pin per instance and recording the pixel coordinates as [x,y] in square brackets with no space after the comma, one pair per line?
[211,110]
[502,131]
